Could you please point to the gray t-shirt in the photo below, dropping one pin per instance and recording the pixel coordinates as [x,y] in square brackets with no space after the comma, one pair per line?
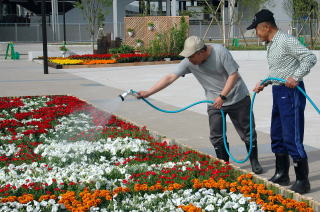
[213,74]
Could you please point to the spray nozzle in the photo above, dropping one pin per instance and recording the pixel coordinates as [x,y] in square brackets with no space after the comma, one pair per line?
[125,94]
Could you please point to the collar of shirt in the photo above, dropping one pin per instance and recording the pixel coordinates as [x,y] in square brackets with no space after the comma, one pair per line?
[275,38]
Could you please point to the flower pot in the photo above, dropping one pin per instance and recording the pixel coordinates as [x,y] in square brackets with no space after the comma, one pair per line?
[167,59]
[150,28]
[130,34]
[63,53]
[139,44]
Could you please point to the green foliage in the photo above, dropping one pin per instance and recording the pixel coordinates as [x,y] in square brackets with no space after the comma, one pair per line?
[151,24]
[130,30]
[63,48]
[122,49]
[186,13]
[245,48]
[171,42]
[305,14]
[178,36]
[139,41]
[298,9]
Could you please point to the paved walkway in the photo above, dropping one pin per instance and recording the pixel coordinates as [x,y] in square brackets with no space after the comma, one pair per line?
[101,86]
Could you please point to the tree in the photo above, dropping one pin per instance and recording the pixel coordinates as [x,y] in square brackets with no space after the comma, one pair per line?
[247,7]
[94,11]
[303,12]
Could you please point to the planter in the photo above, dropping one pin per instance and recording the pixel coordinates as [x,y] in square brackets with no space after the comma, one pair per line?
[63,53]
[167,59]
[139,44]
[130,34]
[150,28]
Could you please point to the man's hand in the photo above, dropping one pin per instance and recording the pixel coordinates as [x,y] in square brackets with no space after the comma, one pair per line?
[218,102]
[258,87]
[143,94]
[291,83]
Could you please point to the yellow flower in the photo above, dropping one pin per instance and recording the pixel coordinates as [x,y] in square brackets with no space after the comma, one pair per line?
[66,61]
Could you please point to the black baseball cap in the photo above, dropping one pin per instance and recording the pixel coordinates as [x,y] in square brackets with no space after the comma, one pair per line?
[261,16]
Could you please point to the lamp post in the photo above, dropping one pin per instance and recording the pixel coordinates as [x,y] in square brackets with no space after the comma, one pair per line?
[64,22]
[44,37]
[115,19]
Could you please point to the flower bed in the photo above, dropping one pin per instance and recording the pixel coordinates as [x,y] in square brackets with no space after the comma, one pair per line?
[93,59]
[58,152]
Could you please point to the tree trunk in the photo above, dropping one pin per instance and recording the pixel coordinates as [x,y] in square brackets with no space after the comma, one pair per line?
[92,43]
[311,33]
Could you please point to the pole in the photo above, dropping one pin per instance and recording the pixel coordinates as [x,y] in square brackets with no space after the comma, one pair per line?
[44,37]
[231,7]
[64,22]
[53,20]
[115,19]
[174,8]
[223,24]
[168,8]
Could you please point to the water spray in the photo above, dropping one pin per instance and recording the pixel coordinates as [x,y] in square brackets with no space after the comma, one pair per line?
[134,93]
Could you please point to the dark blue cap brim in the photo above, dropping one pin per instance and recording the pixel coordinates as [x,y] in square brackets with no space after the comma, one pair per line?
[252,26]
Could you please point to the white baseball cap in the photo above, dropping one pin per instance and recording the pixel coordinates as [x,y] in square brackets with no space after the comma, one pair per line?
[191,45]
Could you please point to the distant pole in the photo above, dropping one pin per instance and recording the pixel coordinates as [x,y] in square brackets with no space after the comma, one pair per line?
[64,22]
[174,8]
[223,24]
[44,37]
[168,8]
[115,19]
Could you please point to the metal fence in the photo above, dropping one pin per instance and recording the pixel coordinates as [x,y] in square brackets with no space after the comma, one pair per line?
[33,32]
[22,32]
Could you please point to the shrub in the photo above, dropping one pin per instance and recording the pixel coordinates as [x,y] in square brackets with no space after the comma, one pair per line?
[171,42]
[151,24]
[139,41]
[122,49]
[251,47]
[63,48]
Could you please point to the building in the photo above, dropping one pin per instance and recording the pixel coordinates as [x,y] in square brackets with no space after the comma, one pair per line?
[26,15]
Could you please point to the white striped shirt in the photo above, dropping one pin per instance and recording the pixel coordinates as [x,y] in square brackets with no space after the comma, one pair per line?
[287,57]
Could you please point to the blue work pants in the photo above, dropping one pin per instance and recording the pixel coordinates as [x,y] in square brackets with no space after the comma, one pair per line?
[287,121]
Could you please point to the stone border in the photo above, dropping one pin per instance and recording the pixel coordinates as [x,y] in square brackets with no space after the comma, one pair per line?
[59,66]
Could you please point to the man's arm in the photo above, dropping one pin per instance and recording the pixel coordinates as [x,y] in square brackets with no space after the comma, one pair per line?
[230,83]
[218,102]
[161,84]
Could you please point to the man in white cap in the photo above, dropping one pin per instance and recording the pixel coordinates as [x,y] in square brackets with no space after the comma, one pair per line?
[217,72]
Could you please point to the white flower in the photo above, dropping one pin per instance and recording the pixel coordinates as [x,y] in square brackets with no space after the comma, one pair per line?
[52,201]
[29,208]
[242,201]
[240,209]
[210,208]
[55,208]
[235,206]
[43,203]
[98,185]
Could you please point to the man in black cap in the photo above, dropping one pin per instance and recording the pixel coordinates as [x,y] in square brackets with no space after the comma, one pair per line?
[288,59]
